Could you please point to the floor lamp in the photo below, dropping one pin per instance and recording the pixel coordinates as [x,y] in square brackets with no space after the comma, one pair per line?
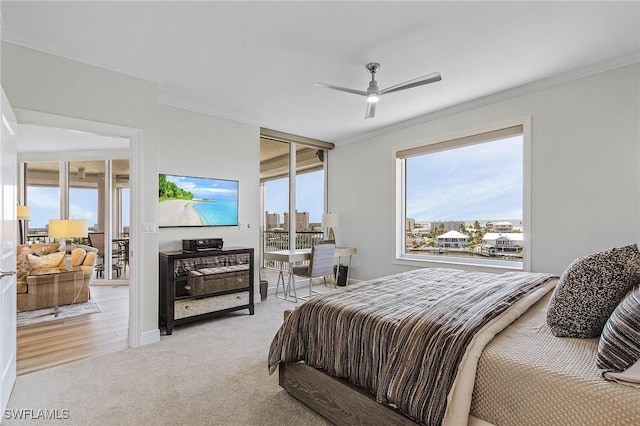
[23,213]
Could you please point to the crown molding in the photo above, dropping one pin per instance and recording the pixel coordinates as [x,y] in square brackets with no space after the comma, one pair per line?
[182,103]
[501,96]
[48,47]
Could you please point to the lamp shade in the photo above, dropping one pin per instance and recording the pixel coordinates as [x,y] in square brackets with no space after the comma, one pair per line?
[23,213]
[330,220]
[68,228]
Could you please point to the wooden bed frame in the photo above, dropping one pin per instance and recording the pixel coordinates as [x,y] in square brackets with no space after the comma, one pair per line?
[341,402]
[335,399]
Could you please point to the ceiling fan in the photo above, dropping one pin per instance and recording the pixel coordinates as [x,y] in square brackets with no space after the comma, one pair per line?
[373,92]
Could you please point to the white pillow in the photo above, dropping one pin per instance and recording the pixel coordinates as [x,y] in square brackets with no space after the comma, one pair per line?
[47,261]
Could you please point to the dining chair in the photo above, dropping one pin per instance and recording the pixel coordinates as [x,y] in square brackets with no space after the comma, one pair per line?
[96,240]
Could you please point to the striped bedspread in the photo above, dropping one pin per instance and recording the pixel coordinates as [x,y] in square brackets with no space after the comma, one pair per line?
[402,337]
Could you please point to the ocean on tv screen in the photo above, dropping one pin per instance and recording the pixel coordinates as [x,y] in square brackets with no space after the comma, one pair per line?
[222,212]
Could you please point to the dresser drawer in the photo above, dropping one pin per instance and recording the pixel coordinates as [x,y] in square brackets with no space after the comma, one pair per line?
[201,285]
[192,307]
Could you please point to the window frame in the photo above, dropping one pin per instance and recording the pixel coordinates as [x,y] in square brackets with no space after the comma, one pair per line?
[399,215]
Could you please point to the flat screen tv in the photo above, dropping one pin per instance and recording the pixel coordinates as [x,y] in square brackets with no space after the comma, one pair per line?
[197,201]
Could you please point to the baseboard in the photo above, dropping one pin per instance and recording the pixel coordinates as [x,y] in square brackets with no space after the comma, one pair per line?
[116,282]
[150,337]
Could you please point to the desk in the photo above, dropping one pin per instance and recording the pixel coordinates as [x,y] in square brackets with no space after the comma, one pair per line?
[300,255]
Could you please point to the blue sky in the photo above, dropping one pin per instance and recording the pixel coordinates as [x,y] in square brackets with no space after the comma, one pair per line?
[309,195]
[482,181]
[83,204]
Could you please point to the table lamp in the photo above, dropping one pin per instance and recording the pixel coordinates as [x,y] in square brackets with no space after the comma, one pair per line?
[22,213]
[330,220]
[65,229]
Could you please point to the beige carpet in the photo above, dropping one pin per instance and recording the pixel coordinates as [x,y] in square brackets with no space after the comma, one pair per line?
[64,311]
[207,373]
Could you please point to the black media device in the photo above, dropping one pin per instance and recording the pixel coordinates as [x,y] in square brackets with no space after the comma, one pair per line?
[202,244]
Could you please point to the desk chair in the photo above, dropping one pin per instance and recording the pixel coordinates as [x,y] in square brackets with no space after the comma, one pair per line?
[320,265]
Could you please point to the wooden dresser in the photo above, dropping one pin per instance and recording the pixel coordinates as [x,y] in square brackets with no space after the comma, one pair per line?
[202,284]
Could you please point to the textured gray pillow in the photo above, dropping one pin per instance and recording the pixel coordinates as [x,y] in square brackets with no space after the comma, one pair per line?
[590,289]
[619,346]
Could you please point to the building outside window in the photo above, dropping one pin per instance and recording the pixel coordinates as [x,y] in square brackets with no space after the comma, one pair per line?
[467,197]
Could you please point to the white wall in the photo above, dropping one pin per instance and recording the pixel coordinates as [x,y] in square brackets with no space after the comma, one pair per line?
[40,82]
[195,144]
[584,180]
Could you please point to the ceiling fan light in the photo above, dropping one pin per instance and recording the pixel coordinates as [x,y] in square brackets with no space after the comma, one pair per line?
[373,98]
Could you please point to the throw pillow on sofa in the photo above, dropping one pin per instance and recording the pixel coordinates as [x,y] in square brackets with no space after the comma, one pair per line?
[47,261]
[22,261]
[77,256]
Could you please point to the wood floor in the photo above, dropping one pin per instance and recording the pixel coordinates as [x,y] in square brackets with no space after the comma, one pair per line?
[60,342]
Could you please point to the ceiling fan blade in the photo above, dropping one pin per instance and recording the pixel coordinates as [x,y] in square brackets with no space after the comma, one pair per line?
[371,110]
[342,89]
[426,79]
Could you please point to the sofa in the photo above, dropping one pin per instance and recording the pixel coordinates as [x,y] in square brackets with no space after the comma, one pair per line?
[34,258]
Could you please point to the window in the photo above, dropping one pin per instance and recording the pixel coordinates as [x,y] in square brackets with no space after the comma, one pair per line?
[43,197]
[82,193]
[462,200]
[83,204]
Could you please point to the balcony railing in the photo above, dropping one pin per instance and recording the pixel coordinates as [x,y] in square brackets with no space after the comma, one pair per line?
[279,240]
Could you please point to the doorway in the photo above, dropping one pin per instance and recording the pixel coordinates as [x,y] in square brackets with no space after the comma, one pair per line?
[93,181]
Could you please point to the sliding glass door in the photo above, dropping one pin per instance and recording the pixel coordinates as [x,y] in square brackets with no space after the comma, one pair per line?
[309,196]
[292,177]
[274,183]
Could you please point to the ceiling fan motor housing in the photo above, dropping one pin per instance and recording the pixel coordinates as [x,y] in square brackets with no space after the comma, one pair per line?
[373,88]
[373,67]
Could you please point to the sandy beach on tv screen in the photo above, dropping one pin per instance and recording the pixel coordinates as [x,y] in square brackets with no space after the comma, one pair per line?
[177,213]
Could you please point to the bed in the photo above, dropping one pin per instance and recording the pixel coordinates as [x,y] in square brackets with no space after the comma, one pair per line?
[443,346]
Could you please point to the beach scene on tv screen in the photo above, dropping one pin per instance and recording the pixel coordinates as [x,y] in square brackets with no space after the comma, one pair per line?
[196,201]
